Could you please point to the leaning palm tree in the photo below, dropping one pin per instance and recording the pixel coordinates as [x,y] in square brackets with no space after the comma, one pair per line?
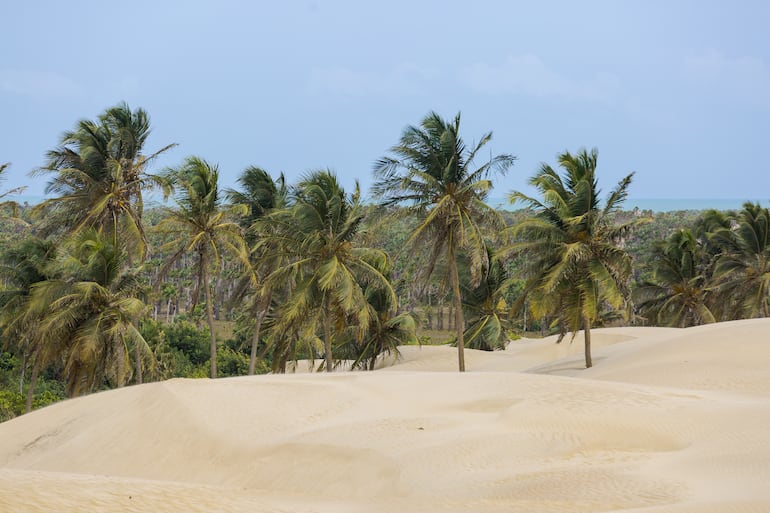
[574,264]
[99,173]
[328,273]
[203,226]
[262,195]
[680,292]
[90,312]
[743,268]
[432,175]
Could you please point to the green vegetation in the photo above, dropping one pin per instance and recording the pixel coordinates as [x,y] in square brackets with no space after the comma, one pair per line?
[97,291]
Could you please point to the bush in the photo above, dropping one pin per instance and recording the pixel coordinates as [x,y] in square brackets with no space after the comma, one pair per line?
[11,405]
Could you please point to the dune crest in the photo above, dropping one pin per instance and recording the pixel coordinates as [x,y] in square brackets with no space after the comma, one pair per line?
[667,420]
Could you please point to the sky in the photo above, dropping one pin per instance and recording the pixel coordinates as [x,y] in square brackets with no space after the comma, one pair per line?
[676,91]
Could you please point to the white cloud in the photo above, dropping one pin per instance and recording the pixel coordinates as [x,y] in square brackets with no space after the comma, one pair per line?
[404,80]
[528,75]
[745,79]
[37,84]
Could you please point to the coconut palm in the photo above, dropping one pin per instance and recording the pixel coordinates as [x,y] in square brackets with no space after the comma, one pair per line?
[680,293]
[90,313]
[262,195]
[23,266]
[203,226]
[743,268]
[574,264]
[486,306]
[432,175]
[328,273]
[100,172]
[384,334]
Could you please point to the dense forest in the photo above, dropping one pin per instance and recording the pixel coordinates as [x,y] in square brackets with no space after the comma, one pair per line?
[100,290]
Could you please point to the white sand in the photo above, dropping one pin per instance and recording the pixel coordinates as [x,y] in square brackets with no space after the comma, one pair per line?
[667,420]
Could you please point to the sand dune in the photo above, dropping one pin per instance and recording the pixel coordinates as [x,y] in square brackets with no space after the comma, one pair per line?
[667,420]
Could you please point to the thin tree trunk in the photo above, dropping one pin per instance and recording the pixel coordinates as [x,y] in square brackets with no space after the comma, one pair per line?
[459,321]
[328,338]
[121,370]
[257,328]
[210,316]
[587,335]
[32,381]
[138,362]
[21,374]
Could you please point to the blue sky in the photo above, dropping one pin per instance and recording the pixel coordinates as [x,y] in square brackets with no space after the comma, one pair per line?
[678,92]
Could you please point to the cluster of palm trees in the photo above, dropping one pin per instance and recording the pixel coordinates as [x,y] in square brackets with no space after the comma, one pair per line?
[717,270]
[76,288]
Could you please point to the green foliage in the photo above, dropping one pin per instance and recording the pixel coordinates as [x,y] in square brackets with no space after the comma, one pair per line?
[190,340]
[11,405]
[180,349]
[234,363]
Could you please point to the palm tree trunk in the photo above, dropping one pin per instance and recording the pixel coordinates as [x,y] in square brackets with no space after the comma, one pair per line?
[459,321]
[328,337]
[587,335]
[264,305]
[138,363]
[23,370]
[32,381]
[210,316]
[121,364]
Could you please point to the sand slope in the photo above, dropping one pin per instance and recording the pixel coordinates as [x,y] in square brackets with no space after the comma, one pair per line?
[667,420]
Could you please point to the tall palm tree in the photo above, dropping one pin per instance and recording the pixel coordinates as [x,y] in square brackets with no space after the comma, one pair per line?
[432,175]
[203,226]
[90,312]
[680,292]
[262,195]
[574,264]
[743,268]
[100,171]
[315,236]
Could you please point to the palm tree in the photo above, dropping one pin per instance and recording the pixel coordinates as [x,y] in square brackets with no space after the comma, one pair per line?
[25,265]
[574,264]
[743,268]
[486,306]
[100,172]
[202,226]
[262,195]
[328,272]
[90,312]
[432,175]
[680,292]
[385,332]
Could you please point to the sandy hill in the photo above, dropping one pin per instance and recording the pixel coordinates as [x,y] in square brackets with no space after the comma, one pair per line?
[668,420]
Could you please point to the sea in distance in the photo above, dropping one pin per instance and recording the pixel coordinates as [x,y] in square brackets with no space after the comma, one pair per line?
[651,204]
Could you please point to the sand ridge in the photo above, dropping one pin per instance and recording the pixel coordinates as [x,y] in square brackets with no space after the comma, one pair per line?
[667,420]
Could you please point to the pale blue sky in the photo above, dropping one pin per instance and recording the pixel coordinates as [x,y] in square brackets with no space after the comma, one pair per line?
[678,91]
